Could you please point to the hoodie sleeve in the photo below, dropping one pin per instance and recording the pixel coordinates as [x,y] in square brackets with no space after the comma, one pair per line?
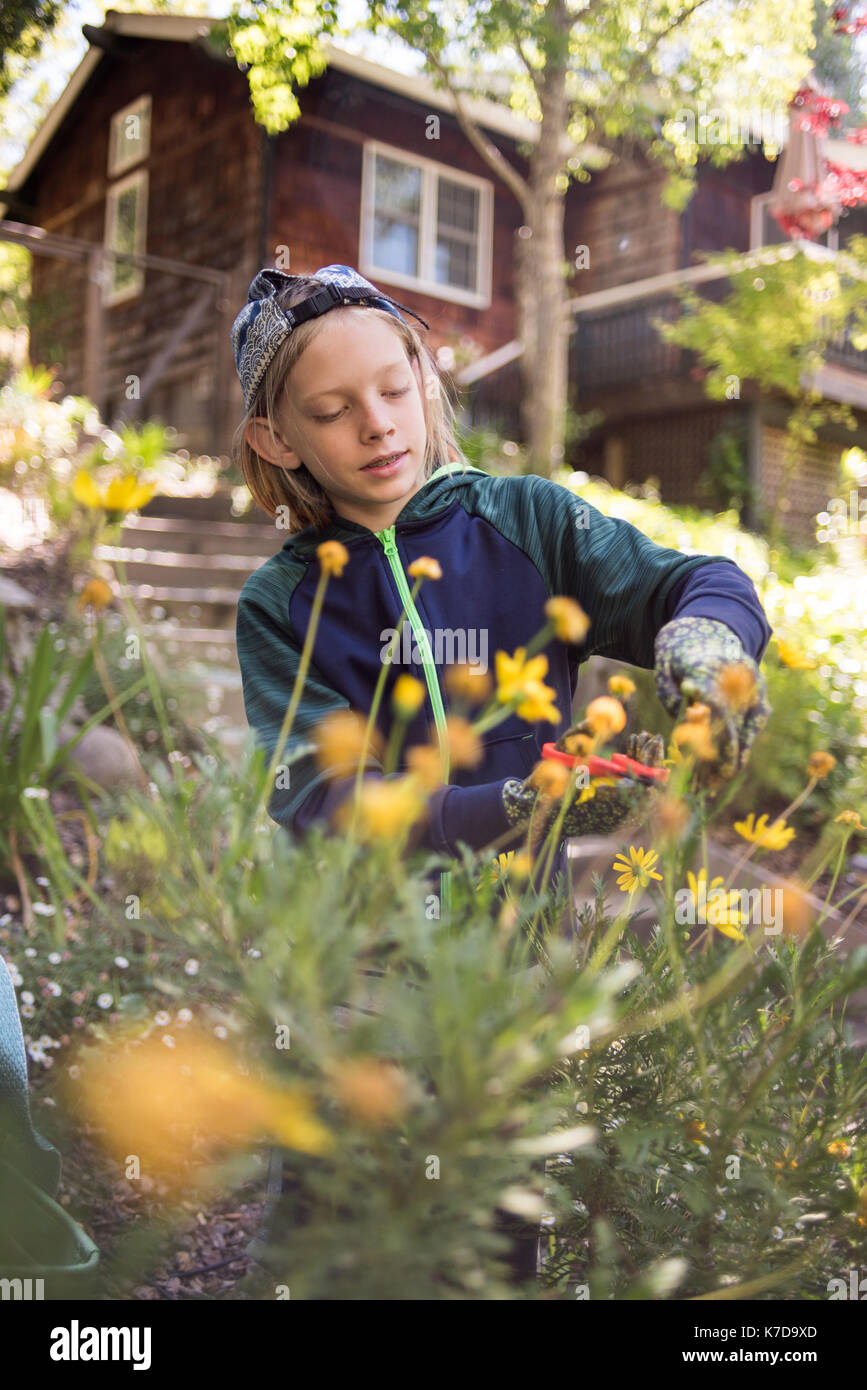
[627,584]
[474,815]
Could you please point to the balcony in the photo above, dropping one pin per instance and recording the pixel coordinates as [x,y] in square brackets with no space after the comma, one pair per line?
[618,360]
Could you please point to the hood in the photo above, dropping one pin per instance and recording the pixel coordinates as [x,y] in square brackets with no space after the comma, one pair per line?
[433,497]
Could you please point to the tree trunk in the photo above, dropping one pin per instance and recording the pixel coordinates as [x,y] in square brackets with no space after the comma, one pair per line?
[541,290]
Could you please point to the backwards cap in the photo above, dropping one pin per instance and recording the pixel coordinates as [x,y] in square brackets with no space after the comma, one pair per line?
[262,325]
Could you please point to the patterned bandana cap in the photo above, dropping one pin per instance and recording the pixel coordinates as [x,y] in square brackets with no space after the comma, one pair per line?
[262,325]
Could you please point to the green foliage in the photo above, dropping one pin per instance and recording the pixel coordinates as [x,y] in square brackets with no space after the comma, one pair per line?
[714,1132]
[776,323]
[24,25]
[179,688]
[37,698]
[510,1043]
[725,481]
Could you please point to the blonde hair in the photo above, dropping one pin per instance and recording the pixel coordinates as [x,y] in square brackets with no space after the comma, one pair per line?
[308,502]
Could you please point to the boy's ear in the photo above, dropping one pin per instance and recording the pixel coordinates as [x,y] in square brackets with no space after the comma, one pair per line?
[275,449]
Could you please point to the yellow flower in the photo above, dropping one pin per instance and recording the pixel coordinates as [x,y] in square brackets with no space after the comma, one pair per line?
[121,495]
[790,656]
[167,1104]
[385,809]
[465,682]
[820,764]
[785,1161]
[724,916]
[694,1130]
[426,566]
[339,739]
[693,738]
[509,865]
[849,818]
[519,867]
[578,745]
[538,705]
[670,817]
[95,594]
[373,1091]
[551,777]
[796,912]
[697,714]
[333,557]
[571,623]
[758,832]
[605,717]
[423,760]
[637,871]
[515,673]
[407,696]
[621,686]
[465,746]
[838,1148]
[521,680]
[736,686]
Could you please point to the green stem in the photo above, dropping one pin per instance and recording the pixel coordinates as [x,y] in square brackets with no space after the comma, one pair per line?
[374,710]
[295,700]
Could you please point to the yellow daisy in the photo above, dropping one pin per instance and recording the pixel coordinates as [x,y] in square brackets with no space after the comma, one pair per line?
[621,686]
[121,495]
[790,656]
[637,871]
[758,832]
[724,916]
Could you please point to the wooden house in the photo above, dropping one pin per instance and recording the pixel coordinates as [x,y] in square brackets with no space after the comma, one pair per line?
[152,151]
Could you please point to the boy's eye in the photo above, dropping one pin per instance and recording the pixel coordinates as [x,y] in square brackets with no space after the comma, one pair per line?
[324,419]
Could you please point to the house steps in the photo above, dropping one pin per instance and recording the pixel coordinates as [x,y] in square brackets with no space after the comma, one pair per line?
[185,561]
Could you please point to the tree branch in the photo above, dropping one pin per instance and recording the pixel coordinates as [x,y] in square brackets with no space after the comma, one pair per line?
[493,157]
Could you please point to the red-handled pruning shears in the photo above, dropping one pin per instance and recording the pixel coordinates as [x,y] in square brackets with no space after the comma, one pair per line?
[618,765]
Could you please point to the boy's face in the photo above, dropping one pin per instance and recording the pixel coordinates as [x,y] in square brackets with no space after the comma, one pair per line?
[352,396]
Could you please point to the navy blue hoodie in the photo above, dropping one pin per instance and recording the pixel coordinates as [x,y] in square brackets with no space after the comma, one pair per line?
[505,545]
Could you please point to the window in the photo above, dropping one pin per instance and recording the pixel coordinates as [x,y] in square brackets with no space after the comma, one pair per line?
[426,226]
[129,139]
[125,230]
[765,230]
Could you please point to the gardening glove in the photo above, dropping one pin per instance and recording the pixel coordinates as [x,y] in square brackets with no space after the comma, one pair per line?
[608,806]
[701,660]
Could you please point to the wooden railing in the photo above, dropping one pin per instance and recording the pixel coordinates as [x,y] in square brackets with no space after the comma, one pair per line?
[615,344]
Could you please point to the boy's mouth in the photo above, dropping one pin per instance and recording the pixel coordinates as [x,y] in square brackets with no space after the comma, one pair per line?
[388,464]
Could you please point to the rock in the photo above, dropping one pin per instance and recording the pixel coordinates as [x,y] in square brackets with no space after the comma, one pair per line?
[104,756]
[13,596]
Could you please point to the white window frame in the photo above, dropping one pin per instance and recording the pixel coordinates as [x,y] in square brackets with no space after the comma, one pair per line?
[431,170]
[111,293]
[758,203]
[141,107]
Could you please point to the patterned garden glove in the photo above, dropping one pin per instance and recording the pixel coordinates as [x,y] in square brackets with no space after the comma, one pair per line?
[701,660]
[607,809]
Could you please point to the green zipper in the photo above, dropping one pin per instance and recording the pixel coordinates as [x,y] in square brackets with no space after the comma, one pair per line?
[389,543]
